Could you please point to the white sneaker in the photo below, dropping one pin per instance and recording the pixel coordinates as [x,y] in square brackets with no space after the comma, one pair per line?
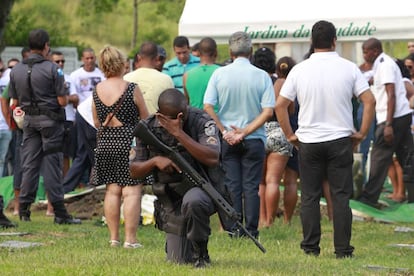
[132,245]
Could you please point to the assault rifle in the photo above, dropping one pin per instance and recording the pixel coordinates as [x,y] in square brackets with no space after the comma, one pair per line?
[147,136]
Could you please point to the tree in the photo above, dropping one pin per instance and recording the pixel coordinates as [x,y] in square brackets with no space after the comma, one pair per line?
[5,8]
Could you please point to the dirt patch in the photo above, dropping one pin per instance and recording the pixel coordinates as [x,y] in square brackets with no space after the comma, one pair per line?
[87,206]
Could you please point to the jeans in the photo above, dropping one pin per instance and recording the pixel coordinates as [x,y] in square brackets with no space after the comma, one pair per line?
[243,164]
[84,158]
[5,137]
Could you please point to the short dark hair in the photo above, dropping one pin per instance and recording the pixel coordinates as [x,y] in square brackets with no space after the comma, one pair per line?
[38,38]
[56,53]
[149,50]
[207,47]
[173,99]
[196,47]
[265,59]
[181,41]
[323,34]
[24,50]
[410,57]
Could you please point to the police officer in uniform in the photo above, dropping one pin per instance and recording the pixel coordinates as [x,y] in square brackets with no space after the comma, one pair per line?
[182,211]
[37,86]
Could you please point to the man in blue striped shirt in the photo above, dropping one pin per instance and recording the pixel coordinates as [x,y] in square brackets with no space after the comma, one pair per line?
[182,62]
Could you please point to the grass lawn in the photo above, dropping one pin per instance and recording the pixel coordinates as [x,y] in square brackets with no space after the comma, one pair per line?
[84,250]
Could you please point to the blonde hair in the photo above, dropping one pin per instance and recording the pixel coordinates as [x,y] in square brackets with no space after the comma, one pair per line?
[111,61]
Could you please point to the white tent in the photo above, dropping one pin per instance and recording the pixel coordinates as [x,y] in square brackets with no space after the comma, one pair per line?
[287,24]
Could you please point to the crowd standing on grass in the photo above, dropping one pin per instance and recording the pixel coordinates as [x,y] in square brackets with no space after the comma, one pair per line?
[266,123]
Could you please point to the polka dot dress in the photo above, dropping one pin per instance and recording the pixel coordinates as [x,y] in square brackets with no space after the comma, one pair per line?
[114,143]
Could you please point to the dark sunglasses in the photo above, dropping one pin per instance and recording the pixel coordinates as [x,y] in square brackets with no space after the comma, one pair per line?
[409,67]
[60,61]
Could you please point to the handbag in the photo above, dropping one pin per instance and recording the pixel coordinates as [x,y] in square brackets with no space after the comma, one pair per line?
[93,178]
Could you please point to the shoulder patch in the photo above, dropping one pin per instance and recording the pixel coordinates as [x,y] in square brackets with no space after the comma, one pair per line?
[212,141]
[210,128]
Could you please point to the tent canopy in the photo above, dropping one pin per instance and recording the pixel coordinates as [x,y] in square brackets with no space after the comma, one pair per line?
[287,25]
[271,21]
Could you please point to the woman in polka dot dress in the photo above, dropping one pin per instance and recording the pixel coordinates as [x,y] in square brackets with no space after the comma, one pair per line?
[114,140]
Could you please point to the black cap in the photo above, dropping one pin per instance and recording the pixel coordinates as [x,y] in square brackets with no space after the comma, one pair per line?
[161,51]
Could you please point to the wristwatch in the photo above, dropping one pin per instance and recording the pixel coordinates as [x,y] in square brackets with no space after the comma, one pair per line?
[388,124]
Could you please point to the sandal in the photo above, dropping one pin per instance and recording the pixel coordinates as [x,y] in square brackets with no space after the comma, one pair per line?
[132,245]
[114,243]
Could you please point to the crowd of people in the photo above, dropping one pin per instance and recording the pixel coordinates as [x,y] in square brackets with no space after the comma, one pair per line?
[266,122]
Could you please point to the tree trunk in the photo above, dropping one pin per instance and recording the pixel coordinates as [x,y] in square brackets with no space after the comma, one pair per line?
[5,8]
[135,27]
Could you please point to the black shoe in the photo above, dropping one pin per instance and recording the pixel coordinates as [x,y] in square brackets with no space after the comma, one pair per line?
[201,259]
[312,253]
[202,262]
[25,218]
[67,220]
[343,256]
[5,222]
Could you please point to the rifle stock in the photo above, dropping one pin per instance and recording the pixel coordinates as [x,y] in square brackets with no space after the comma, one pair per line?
[147,136]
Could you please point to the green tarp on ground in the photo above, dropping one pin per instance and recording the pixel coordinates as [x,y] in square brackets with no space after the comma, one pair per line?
[6,190]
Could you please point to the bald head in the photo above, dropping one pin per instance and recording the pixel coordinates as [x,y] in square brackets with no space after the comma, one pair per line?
[372,43]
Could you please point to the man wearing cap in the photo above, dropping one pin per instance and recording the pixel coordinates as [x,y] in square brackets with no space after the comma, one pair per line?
[151,81]
[162,56]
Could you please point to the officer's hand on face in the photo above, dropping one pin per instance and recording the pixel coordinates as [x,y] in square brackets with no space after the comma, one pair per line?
[173,125]
[165,164]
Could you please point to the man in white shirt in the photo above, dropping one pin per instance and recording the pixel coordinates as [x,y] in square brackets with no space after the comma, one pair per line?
[324,86]
[393,132]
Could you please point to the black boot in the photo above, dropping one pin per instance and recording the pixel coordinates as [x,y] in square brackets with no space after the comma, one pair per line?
[61,214]
[5,222]
[201,258]
[24,211]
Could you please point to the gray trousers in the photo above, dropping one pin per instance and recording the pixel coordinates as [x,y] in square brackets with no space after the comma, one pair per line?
[42,146]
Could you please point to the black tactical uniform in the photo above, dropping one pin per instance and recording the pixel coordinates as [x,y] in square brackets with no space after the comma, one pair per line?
[182,211]
[36,83]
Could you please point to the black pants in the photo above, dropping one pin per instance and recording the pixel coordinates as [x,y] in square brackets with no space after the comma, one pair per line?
[318,161]
[196,207]
[381,157]
[42,147]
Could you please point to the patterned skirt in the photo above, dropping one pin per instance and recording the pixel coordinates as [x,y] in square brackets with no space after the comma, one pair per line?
[276,140]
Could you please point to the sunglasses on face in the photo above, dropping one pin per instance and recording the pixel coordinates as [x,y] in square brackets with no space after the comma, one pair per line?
[60,61]
[409,67]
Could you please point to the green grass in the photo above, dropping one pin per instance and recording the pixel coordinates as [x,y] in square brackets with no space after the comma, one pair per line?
[84,250]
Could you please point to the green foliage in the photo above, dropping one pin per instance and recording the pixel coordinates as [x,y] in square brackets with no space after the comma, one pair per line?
[94,23]
[91,7]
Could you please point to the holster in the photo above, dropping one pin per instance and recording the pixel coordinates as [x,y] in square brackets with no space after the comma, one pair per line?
[167,211]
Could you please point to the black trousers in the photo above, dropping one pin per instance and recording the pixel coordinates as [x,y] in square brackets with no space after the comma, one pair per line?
[381,157]
[196,207]
[318,161]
